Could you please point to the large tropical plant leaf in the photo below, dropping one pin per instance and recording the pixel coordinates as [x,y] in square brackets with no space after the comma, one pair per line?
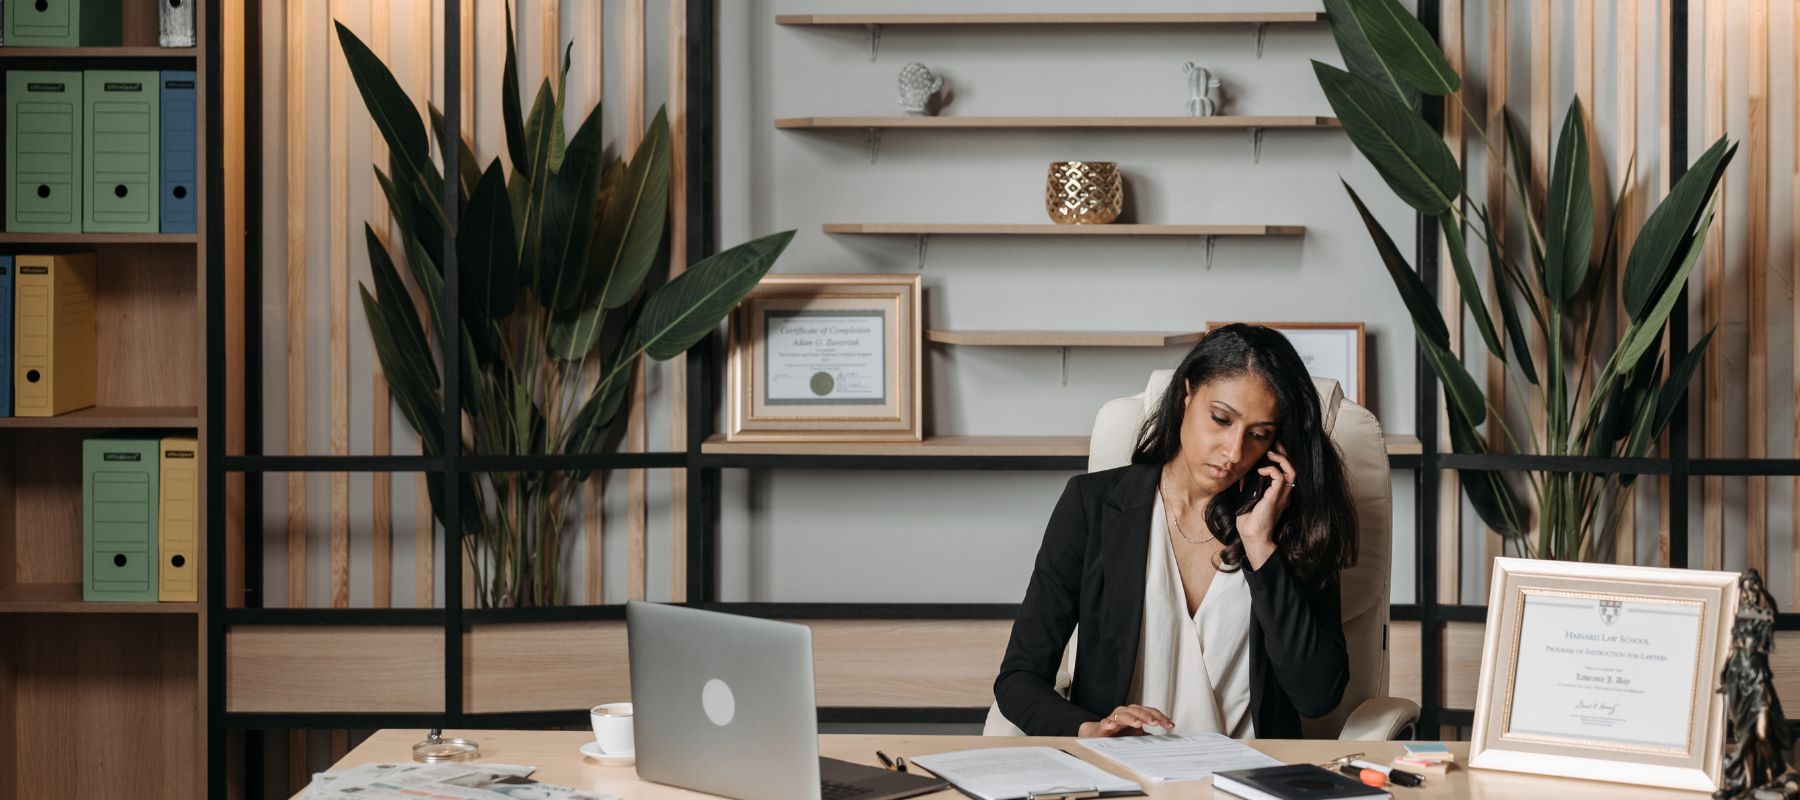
[1413,293]
[389,107]
[1570,239]
[1471,288]
[1669,397]
[400,342]
[1404,47]
[1503,297]
[1459,387]
[1492,499]
[536,177]
[470,172]
[1409,156]
[512,114]
[487,250]
[1360,57]
[568,229]
[686,309]
[631,229]
[1639,335]
[588,430]
[1665,234]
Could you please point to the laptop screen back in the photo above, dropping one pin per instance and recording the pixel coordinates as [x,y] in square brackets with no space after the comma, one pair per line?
[723,703]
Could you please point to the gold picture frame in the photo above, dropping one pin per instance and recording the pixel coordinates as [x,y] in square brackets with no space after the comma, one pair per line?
[1585,667]
[827,358]
[1335,350]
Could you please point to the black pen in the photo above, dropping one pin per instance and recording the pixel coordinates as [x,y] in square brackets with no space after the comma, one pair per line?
[900,763]
[885,761]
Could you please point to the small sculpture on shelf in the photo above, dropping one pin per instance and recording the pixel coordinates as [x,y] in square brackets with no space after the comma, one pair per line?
[1759,741]
[1203,91]
[917,85]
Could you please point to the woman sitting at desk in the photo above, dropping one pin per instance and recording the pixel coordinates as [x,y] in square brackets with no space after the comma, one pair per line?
[1204,575]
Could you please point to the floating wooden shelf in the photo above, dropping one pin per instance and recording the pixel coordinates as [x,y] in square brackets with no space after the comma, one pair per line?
[112,417]
[98,52]
[907,229]
[65,598]
[1212,18]
[1064,338]
[99,238]
[1011,123]
[1004,446]
[996,446]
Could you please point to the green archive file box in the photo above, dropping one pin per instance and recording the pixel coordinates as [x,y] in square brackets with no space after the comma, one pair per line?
[43,151]
[118,519]
[63,23]
[120,177]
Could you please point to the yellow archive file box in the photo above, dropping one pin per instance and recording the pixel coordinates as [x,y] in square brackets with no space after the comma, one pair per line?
[54,354]
[178,520]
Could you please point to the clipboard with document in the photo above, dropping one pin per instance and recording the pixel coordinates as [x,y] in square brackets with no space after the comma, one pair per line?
[1026,773]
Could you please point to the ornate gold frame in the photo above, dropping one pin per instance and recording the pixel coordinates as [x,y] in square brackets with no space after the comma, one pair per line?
[1695,766]
[898,297]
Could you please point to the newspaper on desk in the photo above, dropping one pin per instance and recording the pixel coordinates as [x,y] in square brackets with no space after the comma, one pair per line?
[449,781]
[1179,758]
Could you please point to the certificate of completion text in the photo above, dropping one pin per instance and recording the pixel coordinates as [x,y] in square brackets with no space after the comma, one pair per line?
[825,358]
[1598,669]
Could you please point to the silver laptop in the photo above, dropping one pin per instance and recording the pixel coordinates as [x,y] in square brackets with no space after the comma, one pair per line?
[724,704]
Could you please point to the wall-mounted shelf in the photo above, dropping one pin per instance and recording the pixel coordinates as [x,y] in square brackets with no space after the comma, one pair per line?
[924,231]
[112,417]
[873,23]
[872,127]
[99,238]
[65,598]
[34,53]
[1063,339]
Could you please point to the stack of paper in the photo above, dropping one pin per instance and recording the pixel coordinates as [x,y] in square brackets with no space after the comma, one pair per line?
[1003,773]
[1179,758]
[457,781]
[1431,758]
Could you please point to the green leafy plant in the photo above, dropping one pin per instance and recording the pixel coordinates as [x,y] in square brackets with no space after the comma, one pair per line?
[551,264]
[1612,404]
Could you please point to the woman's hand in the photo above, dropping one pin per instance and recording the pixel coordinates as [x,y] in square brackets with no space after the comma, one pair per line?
[1125,721]
[1257,527]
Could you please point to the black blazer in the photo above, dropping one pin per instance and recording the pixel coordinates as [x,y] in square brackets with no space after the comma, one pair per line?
[1090,570]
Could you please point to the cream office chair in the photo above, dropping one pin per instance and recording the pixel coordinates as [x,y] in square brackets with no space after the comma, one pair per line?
[1366,711]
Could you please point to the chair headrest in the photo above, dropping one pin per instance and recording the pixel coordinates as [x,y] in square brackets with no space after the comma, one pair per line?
[1330,395]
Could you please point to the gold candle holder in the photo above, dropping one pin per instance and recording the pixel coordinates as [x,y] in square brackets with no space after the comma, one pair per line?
[1084,192]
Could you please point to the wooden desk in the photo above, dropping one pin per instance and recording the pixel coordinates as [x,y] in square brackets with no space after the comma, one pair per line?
[558,760]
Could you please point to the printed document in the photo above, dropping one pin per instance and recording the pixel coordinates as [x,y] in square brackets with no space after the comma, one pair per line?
[1179,758]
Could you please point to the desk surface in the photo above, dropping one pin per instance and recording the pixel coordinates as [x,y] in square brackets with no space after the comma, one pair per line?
[556,754]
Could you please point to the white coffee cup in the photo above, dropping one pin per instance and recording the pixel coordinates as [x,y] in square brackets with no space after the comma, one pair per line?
[613,731]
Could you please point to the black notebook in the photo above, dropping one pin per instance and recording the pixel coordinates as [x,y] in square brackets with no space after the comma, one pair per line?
[1294,782]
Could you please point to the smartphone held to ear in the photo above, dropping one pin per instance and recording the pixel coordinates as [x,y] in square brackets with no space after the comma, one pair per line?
[1256,484]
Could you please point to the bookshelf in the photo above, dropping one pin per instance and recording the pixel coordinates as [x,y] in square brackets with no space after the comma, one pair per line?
[107,699]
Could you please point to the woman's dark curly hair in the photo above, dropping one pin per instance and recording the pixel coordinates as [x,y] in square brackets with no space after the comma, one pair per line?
[1316,535]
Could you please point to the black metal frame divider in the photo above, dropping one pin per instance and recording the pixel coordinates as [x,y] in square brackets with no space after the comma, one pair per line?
[704,469]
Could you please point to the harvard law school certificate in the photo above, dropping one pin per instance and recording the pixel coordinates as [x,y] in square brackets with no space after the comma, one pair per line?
[1607,669]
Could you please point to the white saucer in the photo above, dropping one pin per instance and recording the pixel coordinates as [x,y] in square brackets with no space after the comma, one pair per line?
[592,751]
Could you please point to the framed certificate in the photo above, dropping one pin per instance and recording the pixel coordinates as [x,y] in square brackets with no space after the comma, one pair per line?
[1604,672]
[1329,349]
[827,358]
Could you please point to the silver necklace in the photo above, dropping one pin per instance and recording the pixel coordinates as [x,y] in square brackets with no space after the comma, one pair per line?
[1175,518]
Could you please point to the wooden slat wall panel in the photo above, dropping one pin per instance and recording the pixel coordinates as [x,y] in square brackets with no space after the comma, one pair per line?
[382,524]
[544,667]
[1543,109]
[338,669]
[1756,501]
[339,304]
[1713,409]
[1498,80]
[593,490]
[635,438]
[1625,153]
[1665,32]
[297,36]
[1461,662]
[424,538]
[1451,301]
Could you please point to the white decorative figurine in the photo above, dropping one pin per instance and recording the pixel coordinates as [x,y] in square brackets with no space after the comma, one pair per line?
[1203,91]
[917,85]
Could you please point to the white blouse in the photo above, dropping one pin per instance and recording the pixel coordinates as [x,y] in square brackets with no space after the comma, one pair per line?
[1194,668]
